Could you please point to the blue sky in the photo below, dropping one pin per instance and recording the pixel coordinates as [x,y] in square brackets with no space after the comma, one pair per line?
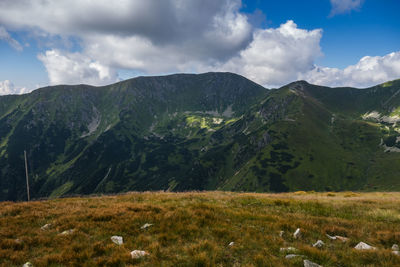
[327,42]
[372,29]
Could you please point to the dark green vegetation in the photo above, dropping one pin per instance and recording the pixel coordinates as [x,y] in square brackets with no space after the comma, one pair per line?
[199,132]
[194,229]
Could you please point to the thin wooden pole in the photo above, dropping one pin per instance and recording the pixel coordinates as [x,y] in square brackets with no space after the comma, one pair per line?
[27,179]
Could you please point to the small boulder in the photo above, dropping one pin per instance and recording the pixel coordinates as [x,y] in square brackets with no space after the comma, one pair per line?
[231,244]
[396,252]
[46,226]
[364,246]
[146,225]
[308,263]
[319,244]
[68,232]
[395,247]
[342,238]
[297,233]
[291,256]
[27,264]
[281,233]
[117,239]
[337,237]
[137,254]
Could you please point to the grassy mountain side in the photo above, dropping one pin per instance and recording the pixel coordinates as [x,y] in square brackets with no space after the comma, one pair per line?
[199,132]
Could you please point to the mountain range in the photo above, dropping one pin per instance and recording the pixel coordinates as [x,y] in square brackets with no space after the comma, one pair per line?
[211,131]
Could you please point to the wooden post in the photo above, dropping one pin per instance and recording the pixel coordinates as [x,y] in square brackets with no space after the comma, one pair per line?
[27,178]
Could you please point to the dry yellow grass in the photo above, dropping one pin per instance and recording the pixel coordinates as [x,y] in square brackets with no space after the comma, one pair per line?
[195,228]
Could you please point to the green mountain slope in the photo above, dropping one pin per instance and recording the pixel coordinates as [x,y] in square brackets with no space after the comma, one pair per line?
[199,132]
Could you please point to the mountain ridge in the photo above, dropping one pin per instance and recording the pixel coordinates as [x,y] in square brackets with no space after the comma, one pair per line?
[199,132]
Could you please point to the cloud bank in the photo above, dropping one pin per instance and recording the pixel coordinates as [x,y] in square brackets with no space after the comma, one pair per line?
[158,37]
[8,88]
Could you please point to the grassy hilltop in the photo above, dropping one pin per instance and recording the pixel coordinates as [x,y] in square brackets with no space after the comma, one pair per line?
[195,228]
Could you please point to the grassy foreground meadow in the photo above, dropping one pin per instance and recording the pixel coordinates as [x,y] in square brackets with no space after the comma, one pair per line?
[196,228]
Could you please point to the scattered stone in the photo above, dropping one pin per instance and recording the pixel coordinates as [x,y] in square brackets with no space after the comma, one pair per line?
[46,226]
[231,244]
[308,263]
[137,254]
[117,239]
[364,246]
[338,237]
[27,264]
[396,252]
[319,244]
[288,249]
[281,233]
[395,247]
[291,256]
[146,225]
[68,232]
[297,233]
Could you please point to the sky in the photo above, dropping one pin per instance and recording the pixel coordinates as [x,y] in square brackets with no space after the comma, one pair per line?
[98,42]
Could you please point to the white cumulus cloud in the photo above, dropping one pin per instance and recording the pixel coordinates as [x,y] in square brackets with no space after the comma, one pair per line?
[72,68]
[157,37]
[367,72]
[277,56]
[344,6]
[8,88]
[149,36]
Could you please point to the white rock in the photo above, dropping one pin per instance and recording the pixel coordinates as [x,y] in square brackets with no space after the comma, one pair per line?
[396,252]
[364,246]
[68,232]
[146,225]
[291,256]
[337,237]
[297,233]
[319,244]
[342,238]
[308,263]
[137,254]
[27,264]
[281,233]
[288,249]
[46,226]
[231,244]
[395,247]
[331,237]
[117,239]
